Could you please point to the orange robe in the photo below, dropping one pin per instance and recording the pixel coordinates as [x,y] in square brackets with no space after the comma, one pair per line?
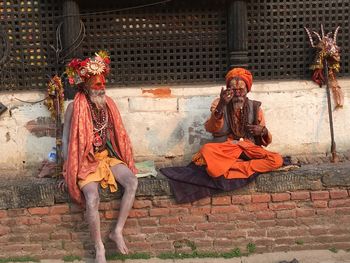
[81,159]
[223,158]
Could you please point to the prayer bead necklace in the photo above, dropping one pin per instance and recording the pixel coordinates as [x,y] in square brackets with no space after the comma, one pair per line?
[100,123]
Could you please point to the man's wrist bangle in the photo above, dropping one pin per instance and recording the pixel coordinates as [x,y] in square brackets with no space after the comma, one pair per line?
[264,131]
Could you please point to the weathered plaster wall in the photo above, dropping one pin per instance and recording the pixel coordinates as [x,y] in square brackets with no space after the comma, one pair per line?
[166,123]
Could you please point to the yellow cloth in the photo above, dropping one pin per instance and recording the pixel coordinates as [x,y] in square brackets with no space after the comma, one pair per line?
[103,173]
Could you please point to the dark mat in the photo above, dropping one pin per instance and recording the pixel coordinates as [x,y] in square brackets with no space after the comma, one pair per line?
[190,183]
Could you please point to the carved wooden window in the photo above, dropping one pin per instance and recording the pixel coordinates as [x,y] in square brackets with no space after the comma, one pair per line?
[177,42]
[27,30]
[278,45]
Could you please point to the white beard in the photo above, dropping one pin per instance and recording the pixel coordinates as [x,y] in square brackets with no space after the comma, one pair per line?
[238,102]
[99,101]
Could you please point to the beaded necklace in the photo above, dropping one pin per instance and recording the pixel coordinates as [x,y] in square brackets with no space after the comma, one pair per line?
[239,120]
[100,122]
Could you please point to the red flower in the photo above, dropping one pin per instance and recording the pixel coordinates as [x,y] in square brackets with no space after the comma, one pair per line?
[107,61]
[106,71]
[71,81]
[84,62]
[75,63]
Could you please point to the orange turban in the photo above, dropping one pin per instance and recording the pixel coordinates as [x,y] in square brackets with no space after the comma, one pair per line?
[242,73]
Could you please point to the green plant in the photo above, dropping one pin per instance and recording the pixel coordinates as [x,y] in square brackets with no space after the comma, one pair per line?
[251,248]
[208,255]
[184,243]
[119,256]
[333,249]
[71,258]
[299,242]
[18,259]
[232,254]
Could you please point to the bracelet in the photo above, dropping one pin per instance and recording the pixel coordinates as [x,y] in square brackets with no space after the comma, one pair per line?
[264,131]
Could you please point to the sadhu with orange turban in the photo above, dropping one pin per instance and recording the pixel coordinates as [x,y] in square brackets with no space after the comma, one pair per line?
[239,131]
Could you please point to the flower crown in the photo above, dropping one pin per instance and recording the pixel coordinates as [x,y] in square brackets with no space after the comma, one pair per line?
[79,71]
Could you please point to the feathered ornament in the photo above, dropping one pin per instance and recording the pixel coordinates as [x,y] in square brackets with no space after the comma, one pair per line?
[327,49]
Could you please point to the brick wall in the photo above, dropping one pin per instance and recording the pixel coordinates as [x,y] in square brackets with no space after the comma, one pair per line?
[273,222]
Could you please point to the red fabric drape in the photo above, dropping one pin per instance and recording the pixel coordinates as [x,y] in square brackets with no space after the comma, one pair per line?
[81,161]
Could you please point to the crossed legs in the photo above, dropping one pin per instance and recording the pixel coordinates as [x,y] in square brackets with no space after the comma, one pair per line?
[223,159]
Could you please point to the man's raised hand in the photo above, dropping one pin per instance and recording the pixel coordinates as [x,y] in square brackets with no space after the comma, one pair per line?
[226,95]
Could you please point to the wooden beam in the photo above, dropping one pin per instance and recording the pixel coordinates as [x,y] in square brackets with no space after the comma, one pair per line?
[237,33]
[71,29]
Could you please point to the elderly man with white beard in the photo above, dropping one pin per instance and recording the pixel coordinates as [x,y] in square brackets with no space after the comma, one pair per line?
[239,129]
[96,149]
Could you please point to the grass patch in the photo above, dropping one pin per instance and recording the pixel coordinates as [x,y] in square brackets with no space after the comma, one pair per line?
[231,254]
[71,258]
[299,242]
[18,259]
[185,243]
[234,253]
[119,256]
[251,248]
[333,249]
[207,255]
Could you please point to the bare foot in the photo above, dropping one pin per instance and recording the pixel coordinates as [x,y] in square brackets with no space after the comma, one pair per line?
[118,239]
[100,255]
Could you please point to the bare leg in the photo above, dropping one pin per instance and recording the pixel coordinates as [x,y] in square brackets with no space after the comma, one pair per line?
[129,181]
[93,217]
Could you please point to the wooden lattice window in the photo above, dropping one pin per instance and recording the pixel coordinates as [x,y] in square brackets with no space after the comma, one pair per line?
[277,43]
[27,30]
[176,42]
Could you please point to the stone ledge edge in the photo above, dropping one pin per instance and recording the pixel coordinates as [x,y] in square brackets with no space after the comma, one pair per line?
[35,192]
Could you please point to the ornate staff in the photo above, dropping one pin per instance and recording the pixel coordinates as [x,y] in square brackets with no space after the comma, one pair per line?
[55,102]
[334,158]
[326,64]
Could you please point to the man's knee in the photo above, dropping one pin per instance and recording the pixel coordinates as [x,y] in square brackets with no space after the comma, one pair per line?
[207,148]
[277,161]
[133,183]
[92,201]
[127,178]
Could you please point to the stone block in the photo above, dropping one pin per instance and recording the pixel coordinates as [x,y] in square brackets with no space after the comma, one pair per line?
[196,103]
[145,104]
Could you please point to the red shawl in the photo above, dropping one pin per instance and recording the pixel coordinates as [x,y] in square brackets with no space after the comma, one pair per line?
[81,160]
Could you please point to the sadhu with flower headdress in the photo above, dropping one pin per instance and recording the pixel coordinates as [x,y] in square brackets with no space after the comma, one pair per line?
[96,148]
[239,129]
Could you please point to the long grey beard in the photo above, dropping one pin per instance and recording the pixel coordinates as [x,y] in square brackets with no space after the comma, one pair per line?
[100,102]
[237,102]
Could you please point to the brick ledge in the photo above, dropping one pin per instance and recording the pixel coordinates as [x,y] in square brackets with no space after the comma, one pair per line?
[33,192]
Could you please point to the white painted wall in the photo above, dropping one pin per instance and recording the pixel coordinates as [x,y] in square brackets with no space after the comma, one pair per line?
[165,128]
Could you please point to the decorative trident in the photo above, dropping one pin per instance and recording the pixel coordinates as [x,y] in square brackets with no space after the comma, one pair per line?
[327,51]
[328,59]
